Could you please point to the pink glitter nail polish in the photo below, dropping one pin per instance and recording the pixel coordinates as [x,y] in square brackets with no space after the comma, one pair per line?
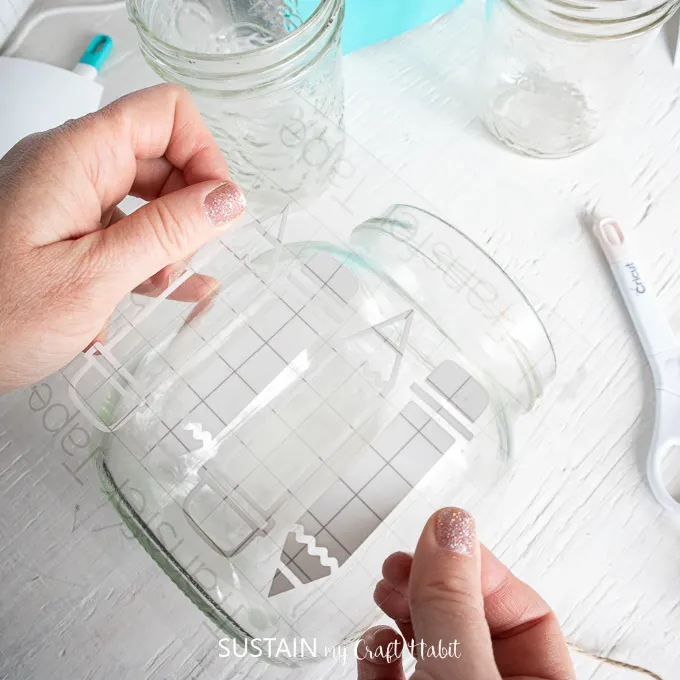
[456,531]
[225,204]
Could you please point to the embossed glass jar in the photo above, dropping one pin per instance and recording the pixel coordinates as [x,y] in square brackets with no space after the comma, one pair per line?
[266,75]
[554,74]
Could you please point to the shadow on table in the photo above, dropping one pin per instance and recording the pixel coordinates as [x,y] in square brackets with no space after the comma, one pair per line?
[670,34]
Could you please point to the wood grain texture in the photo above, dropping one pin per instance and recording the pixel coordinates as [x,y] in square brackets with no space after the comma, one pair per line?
[572,516]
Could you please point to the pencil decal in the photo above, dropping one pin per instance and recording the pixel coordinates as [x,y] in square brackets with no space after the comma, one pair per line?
[393,334]
[317,561]
[370,487]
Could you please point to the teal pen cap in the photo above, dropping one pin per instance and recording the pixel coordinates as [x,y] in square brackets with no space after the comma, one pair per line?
[97,51]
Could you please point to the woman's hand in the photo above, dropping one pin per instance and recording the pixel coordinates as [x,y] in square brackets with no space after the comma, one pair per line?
[68,255]
[451,590]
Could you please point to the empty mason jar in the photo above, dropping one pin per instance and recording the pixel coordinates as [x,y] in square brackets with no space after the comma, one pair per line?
[269,450]
[266,75]
[554,74]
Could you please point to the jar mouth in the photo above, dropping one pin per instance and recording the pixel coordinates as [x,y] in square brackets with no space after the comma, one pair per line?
[312,26]
[509,314]
[595,19]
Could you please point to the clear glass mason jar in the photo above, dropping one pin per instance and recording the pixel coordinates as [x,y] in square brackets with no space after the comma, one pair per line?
[271,449]
[554,74]
[266,75]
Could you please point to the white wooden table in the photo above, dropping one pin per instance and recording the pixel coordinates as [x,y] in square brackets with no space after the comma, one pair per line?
[573,517]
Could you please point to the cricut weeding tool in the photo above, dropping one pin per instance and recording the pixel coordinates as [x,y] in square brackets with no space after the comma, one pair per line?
[661,349]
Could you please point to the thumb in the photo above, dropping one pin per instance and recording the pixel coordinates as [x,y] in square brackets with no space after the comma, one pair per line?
[447,608]
[164,231]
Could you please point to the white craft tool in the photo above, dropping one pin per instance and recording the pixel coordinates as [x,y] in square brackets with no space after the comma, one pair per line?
[661,349]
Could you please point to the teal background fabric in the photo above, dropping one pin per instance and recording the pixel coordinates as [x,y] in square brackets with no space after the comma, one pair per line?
[371,21]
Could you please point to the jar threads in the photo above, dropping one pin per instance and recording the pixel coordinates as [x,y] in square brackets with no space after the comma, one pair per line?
[257,71]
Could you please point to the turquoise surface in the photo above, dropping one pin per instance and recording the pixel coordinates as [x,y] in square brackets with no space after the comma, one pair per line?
[372,21]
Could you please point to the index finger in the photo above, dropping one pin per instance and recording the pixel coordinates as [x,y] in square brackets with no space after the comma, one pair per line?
[160,122]
[147,144]
[525,633]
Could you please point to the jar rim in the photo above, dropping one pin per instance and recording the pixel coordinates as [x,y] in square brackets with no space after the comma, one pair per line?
[143,26]
[378,224]
[555,17]
[195,81]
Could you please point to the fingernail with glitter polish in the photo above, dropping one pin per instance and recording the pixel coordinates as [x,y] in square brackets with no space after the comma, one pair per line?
[456,531]
[224,204]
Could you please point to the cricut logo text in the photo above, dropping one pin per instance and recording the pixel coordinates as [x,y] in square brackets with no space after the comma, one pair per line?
[637,281]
